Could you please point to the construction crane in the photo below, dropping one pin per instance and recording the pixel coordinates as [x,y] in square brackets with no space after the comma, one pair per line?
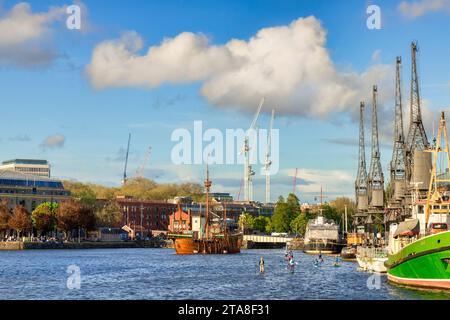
[140,171]
[125,178]
[248,171]
[268,161]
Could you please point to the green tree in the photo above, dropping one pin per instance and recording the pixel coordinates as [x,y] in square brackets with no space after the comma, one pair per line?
[260,223]
[245,222]
[44,216]
[294,205]
[109,215]
[298,225]
[20,220]
[81,192]
[282,216]
[339,205]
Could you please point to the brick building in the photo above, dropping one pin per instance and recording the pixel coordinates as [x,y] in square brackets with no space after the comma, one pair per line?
[152,215]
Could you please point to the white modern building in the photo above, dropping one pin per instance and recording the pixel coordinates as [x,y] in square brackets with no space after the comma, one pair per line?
[33,167]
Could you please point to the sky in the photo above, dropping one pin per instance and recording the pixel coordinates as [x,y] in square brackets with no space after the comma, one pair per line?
[150,68]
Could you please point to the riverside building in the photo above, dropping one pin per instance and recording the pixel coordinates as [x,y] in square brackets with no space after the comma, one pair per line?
[30,190]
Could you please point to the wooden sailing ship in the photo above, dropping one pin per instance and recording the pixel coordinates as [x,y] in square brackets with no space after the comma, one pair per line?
[202,238]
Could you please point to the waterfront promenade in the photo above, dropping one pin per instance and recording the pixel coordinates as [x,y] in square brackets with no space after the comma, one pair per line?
[35,245]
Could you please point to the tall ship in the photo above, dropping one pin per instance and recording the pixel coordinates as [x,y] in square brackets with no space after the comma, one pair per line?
[197,235]
[420,247]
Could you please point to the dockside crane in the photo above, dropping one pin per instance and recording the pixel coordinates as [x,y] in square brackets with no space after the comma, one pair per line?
[268,161]
[248,170]
[418,161]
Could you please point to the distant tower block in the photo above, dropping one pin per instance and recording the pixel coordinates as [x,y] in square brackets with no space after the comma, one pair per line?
[418,162]
[362,198]
[398,162]
[375,177]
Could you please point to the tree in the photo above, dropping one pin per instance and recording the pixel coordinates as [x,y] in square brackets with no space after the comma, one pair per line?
[109,215]
[282,216]
[294,205]
[81,192]
[298,225]
[20,220]
[44,216]
[339,205]
[75,215]
[4,217]
[245,221]
[66,216]
[260,223]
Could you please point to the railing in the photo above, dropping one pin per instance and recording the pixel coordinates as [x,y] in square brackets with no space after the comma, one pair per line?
[267,239]
[371,252]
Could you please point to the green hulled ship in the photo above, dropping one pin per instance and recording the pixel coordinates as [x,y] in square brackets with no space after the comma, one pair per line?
[420,247]
[423,263]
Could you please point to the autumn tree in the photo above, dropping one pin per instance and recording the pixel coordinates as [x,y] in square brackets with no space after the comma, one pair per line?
[20,220]
[4,217]
[44,216]
[67,216]
[74,214]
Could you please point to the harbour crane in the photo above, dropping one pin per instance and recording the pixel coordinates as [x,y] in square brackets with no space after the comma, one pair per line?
[140,171]
[125,178]
[268,161]
[248,171]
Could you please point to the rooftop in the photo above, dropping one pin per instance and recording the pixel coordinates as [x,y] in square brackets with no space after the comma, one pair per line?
[26,161]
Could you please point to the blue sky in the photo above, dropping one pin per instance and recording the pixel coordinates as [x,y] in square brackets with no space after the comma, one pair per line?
[52,108]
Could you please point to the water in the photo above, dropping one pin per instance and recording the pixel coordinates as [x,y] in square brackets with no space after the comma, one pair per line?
[160,274]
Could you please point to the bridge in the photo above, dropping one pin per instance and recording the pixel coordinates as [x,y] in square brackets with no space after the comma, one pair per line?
[265,242]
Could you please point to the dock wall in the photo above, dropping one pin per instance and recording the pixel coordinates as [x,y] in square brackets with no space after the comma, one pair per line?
[85,245]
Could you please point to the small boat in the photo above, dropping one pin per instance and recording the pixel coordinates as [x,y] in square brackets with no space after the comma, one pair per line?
[372,258]
[348,253]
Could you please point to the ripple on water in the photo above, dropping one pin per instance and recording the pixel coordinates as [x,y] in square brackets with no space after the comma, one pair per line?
[160,274]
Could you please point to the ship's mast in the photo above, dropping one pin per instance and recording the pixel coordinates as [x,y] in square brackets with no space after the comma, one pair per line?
[433,195]
[207,184]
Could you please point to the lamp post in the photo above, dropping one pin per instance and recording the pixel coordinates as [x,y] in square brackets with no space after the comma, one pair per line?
[142,216]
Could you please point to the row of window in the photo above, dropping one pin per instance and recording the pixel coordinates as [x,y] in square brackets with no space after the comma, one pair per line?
[35,192]
[32,183]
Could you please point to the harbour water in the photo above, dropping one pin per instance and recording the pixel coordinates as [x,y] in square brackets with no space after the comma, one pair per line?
[160,274]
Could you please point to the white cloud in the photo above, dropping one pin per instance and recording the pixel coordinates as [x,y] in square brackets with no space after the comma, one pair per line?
[25,35]
[289,65]
[376,55]
[53,142]
[419,8]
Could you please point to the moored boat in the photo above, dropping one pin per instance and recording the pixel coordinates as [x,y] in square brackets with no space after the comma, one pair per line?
[199,237]
[420,250]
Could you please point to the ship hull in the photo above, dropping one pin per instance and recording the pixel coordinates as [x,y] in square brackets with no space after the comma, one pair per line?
[322,247]
[223,245]
[424,263]
[348,253]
